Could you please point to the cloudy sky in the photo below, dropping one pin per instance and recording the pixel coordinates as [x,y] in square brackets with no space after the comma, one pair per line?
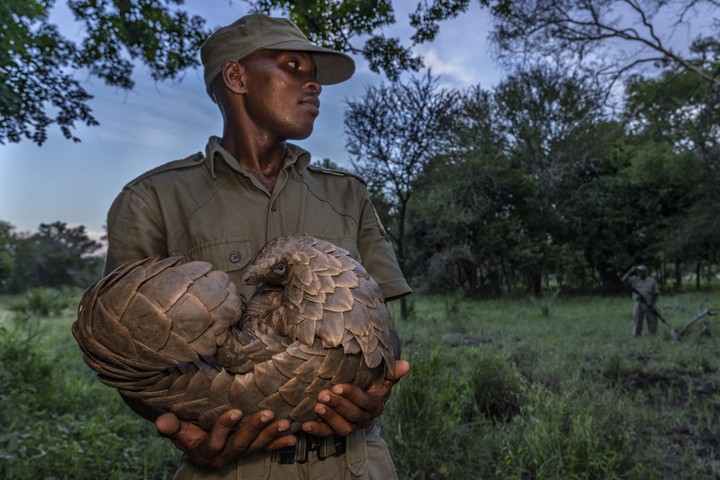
[158,122]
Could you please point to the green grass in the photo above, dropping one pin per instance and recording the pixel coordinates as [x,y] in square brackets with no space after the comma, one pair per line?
[58,421]
[503,389]
[587,400]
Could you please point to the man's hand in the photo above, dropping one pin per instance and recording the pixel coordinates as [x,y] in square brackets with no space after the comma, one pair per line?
[228,438]
[345,408]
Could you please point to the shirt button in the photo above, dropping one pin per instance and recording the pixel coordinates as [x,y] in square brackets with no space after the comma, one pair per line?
[234,257]
[273,207]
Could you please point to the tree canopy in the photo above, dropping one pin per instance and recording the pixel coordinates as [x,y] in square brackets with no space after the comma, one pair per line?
[39,64]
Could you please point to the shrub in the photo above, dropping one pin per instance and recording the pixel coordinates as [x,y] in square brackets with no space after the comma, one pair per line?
[496,387]
[44,302]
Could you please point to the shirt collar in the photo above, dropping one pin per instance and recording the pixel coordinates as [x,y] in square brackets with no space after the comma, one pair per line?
[294,155]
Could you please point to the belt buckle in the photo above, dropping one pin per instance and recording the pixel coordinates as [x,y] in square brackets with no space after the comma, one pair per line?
[330,446]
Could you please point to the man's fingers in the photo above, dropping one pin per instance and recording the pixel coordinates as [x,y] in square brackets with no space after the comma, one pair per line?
[167,425]
[269,435]
[342,424]
[402,368]
[320,429]
[249,433]
[343,409]
[346,408]
[221,430]
[258,433]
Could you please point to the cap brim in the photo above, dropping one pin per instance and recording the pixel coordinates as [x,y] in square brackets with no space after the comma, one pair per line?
[332,66]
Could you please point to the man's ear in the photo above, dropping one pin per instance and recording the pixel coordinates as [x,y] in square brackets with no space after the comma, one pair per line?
[233,76]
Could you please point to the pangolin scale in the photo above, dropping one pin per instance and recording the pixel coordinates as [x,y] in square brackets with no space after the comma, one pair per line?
[178,337]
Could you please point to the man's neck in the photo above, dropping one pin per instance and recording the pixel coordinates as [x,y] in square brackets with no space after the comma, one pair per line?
[264,160]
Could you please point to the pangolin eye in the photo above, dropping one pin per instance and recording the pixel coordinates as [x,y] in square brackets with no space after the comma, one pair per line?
[280,269]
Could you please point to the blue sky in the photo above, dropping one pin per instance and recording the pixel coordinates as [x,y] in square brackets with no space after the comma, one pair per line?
[158,122]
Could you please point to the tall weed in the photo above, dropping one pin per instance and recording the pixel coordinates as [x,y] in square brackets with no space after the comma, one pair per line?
[558,436]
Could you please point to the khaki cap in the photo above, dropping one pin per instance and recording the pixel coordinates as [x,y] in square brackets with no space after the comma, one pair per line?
[255,32]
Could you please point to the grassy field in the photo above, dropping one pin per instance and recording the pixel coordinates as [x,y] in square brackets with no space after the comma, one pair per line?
[507,389]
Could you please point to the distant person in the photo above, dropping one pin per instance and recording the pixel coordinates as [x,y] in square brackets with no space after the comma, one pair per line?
[645,293]
[250,186]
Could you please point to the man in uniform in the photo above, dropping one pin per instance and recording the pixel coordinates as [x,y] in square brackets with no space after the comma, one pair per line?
[645,293]
[249,186]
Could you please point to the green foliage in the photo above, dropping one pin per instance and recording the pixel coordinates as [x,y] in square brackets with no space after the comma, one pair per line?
[430,418]
[60,422]
[393,132]
[497,388]
[558,436]
[37,63]
[677,116]
[541,187]
[7,261]
[55,256]
[45,302]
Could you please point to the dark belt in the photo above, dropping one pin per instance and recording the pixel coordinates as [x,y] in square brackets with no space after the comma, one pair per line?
[330,446]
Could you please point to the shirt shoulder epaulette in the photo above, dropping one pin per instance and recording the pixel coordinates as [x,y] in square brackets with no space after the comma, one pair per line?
[193,160]
[337,173]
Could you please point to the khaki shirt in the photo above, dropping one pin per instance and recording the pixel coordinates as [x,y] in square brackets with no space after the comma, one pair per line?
[209,208]
[647,287]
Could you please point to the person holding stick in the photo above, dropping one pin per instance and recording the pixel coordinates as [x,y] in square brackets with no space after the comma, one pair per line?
[645,293]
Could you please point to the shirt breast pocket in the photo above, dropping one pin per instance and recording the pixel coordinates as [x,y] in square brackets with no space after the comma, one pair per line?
[229,255]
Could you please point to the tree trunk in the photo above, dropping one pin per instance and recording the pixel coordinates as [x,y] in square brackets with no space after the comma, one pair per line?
[678,274]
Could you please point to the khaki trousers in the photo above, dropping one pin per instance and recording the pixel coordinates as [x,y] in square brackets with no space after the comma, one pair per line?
[366,458]
[641,312]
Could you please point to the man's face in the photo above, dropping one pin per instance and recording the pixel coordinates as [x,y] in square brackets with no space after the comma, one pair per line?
[642,273]
[282,92]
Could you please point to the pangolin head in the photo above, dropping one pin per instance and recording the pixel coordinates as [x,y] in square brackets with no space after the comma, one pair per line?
[274,264]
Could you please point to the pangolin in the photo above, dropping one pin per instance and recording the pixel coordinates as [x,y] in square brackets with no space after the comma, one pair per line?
[178,337]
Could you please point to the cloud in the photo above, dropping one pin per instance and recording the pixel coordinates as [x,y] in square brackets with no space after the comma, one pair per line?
[453,72]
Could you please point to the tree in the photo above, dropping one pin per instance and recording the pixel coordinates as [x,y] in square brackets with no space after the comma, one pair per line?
[465,227]
[392,133]
[54,256]
[462,222]
[548,118]
[6,257]
[613,38]
[37,62]
[681,111]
